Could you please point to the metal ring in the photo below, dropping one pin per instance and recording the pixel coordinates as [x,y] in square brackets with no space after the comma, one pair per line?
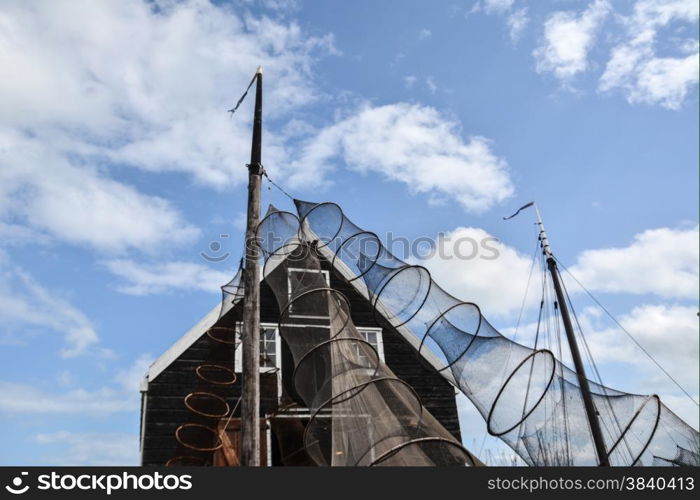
[282,252]
[362,387]
[217,339]
[226,369]
[394,275]
[257,228]
[185,458]
[194,410]
[335,339]
[474,335]
[303,219]
[376,258]
[198,448]
[393,451]
[327,289]
[632,420]
[505,384]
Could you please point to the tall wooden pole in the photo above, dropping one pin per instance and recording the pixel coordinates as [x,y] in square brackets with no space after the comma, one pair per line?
[591,412]
[250,399]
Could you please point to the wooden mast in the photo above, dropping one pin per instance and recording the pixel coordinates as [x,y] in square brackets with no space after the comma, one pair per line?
[250,337]
[591,412]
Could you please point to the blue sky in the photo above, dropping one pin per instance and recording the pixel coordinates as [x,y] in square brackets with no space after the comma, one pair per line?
[119,166]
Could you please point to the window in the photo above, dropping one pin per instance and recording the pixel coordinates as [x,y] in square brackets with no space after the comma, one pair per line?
[373,336]
[269,349]
[295,276]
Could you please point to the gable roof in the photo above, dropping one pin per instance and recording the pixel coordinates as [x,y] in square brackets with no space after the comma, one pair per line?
[211,318]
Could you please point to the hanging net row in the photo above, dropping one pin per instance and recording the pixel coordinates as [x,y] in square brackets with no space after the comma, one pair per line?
[528,398]
[361,413]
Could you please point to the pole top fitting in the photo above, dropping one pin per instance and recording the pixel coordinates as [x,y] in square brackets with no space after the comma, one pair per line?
[258,71]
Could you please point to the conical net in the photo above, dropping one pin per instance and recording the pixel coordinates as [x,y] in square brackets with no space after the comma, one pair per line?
[528,398]
[361,413]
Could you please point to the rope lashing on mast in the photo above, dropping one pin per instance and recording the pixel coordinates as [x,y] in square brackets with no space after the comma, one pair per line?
[240,101]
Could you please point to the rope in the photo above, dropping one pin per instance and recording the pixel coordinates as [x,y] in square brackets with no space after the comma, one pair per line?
[240,101]
[631,337]
[264,172]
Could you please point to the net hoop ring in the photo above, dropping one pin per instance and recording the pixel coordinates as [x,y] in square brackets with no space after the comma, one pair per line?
[505,384]
[286,308]
[196,411]
[282,253]
[631,422]
[396,449]
[229,371]
[361,388]
[257,236]
[318,205]
[185,458]
[179,439]
[398,271]
[327,342]
[218,339]
[442,315]
[349,238]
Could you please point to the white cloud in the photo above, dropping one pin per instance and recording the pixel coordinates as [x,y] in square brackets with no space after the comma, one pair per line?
[517,22]
[498,6]
[162,277]
[142,83]
[409,81]
[131,377]
[424,34]
[430,83]
[412,144]
[668,332]
[636,69]
[88,448]
[19,399]
[26,305]
[568,37]
[464,265]
[660,261]
[58,196]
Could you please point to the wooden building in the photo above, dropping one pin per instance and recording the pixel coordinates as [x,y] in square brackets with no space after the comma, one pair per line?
[171,377]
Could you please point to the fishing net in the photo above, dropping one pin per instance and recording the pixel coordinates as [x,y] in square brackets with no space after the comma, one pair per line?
[528,398]
[361,413]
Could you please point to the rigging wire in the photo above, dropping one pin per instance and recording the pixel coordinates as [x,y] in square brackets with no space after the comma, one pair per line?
[631,337]
[276,185]
[591,361]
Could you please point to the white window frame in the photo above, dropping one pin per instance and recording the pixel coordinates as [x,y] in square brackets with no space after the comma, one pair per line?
[360,329]
[380,340]
[291,270]
[237,357]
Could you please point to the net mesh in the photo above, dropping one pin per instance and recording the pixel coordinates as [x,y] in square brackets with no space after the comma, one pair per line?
[361,413]
[528,398]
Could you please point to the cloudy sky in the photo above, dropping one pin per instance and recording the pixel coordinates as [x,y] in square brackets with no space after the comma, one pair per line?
[119,166]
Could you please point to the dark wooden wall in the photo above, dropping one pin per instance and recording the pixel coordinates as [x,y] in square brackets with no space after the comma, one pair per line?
[165,409]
